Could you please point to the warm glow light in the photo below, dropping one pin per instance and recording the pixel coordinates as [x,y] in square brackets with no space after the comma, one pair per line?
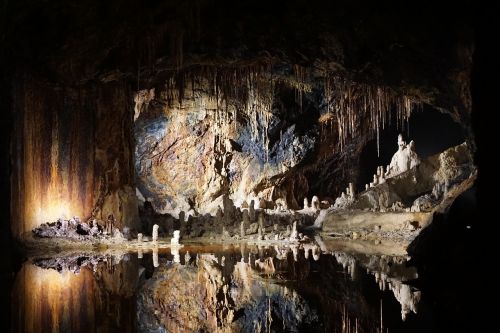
[50,279]
[48,301]
[54,210]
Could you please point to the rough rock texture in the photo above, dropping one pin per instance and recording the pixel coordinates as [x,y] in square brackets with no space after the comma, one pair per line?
[71,163]
[447,170]
[190,154]
[86,295]
[404,204]
[330,74]
[214,295]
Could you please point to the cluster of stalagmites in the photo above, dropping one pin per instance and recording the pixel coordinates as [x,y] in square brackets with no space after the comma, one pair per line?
[75,228]
[262,220]
[425,186]
[403,160]
[252,222]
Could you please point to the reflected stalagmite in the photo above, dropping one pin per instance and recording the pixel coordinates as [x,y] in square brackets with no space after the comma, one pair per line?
[156,263]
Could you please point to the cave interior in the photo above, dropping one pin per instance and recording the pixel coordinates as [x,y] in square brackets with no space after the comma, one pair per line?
[181,114]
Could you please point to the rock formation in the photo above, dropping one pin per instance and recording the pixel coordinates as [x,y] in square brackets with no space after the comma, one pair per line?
[404,159]
[294,235]
[315,203]
[154,235]
[175,239]
[242,229]
[418,189]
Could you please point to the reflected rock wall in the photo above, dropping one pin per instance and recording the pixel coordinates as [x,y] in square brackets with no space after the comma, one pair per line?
[219,294]
[47,300]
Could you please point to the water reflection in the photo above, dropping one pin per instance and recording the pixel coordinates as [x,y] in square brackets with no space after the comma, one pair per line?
[220,288]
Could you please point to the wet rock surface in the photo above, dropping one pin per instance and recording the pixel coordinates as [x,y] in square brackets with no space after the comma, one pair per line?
[403,204]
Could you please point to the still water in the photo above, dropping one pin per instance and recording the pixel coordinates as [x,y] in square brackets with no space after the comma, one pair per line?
[217,289]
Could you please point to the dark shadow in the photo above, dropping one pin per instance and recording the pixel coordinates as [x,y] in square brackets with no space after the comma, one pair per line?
[444,256]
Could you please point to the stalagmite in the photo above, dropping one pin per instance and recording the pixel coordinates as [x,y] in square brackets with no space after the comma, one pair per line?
[261,221]
[155,257]
[155,233]
[176,255]
[175,239]
[229,210]
[110,222]
[219,216]
[260,234]
[351,190]
[315,202]
[242,229]
[246,218]
[139,237]
[95,228]
[293,235]
[225,233]
[316,252]
[64,224]
[306,252]
[251,211]
[367,187]
[306,203]
[295,252]
[404,159]
[412,155]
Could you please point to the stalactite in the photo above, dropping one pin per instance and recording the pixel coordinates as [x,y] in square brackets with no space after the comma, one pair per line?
[351,102]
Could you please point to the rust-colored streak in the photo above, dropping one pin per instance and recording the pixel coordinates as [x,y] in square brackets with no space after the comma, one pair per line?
[47,301]
[67,141]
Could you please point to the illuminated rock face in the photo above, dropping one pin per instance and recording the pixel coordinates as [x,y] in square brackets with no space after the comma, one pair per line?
[72,155]
[189,155]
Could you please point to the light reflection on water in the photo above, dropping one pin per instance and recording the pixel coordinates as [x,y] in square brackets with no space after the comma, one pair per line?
[214,288]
